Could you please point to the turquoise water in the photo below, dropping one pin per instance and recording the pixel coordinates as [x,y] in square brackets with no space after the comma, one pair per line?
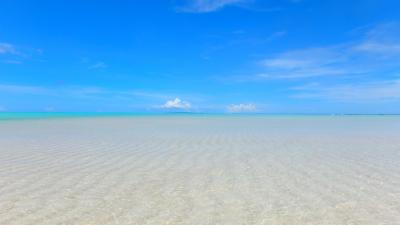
[49,115]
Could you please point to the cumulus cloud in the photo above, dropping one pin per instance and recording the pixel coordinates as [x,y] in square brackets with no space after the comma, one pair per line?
[204,6]
[240,108]
[177,104]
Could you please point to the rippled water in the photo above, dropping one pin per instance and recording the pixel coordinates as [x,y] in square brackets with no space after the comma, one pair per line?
[200,170]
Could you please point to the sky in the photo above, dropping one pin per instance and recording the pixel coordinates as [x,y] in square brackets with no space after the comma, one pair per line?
[230,56]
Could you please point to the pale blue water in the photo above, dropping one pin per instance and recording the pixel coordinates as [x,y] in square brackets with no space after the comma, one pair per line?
[53,115]
[48,115]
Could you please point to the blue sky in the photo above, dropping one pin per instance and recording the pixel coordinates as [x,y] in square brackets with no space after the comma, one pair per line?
[287,56]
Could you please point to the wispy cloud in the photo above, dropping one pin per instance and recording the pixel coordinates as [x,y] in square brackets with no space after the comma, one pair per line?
[388,90]
[383,40]
[23,89]
[13,54]
[148,94]
[240,40]
[69,91]
[93,92]
[275,35]
[12,61]
[378,50]
[242,108]
[205,6]
[98,65]
[6,48]
[177,104]
[305,63]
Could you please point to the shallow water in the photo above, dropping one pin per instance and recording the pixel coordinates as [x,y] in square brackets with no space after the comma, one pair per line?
[200,170]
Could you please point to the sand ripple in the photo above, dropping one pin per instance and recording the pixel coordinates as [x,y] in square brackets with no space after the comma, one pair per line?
[195,170]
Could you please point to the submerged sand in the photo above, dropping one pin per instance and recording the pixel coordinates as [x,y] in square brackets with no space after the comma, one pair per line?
[200,170]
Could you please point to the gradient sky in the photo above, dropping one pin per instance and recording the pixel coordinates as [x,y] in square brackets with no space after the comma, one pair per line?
[287,56]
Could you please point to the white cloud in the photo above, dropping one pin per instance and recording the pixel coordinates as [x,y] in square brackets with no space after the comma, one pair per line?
[240,108]
[177,104]
[98,65]
[204,6]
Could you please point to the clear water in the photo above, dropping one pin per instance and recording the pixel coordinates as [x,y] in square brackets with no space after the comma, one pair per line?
[50,115]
